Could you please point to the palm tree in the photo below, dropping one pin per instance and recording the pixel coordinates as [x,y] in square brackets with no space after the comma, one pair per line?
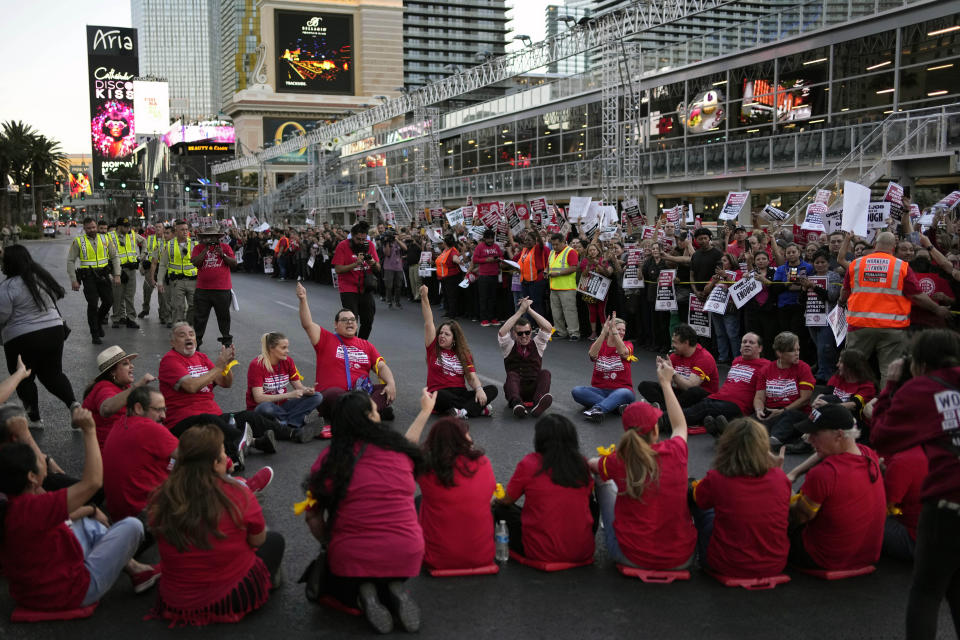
[47,159]
[15,142]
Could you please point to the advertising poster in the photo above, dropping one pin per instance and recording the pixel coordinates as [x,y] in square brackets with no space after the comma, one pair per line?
[595,285]
[734,205]
[112,64]
[277,130]
[697,318]
[151,106]
[816,311]
[314,52]
[666,293]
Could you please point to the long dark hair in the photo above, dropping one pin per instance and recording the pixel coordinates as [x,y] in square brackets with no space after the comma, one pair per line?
[555,439]
[351,425]
[16,461]
[18,262]
[447,449]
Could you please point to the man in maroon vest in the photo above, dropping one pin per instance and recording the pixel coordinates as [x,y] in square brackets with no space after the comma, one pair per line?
[527,380]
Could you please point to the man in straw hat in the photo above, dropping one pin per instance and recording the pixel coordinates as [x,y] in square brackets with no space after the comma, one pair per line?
[213,260]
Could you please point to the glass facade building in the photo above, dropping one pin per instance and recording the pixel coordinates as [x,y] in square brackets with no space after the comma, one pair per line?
[239,39]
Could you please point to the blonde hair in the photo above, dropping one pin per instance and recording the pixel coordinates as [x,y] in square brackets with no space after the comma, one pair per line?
[640,460]
[743,449]
[269,341]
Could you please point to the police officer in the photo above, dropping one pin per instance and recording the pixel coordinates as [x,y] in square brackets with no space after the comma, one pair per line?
[163,294]
[151,245]
[127,243]
[180,273]
[98,262]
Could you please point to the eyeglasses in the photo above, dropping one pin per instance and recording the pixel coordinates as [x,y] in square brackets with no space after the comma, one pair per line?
[524,333]
[348,320]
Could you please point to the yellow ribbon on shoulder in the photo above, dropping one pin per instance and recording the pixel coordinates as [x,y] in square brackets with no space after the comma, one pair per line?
[303,505]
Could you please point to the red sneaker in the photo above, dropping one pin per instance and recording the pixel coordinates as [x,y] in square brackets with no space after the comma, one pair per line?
[260,480]
[325,432]
[145,579]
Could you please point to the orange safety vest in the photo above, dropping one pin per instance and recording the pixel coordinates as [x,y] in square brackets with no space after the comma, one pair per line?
[876,296]
[443,268]
[528,264]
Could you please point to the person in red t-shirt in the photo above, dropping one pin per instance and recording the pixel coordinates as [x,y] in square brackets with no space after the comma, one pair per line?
[268,376]
[487,257]
[783,392]
[456,483]
[643,498]
[533,262]
[219,561]
[696,371]
[353,259]
[334,348]
[138,454]
[450,367]
[838,520]
[57,551]
[903,480]
[742,506]
[611,386]
[106,396]
[557,522]
[213,260]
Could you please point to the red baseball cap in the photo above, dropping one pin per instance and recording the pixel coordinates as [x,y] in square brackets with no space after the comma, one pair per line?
[641,416]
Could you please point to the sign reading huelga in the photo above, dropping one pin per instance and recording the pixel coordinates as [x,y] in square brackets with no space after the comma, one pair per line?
[314,52]
[112,64]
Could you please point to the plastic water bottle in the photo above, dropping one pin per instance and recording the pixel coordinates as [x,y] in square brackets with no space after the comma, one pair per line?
[502,537]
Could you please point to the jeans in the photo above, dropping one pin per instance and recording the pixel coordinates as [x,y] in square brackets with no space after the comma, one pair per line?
[566,318]
[783,427]
[827,353]
[106,551]
[703,521]
[936,572]
[536,291]
[219,300]
[487,291]
[606,399]
[726,330]
[518,390]
[897,542]
[364,307]
[293,411]
[607,497]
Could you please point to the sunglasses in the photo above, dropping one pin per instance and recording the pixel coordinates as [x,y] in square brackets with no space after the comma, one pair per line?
[524,333]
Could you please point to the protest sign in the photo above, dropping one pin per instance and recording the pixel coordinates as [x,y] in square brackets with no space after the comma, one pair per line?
[717,300]
[832,219]
[823,196]
[837,319]
[877,215]
[608,216]
[949,202]
[734,204]
[489,213]
[513,219]
[813,221]
[538,208]
[666,292]
[673,213]
[426,268]
[608,233]
[816,310]
[773,214]
[698,318]
[589,221]
[594,285]
[856,199]
[894,194]
[578,208]
[631,212]
[268,264]
[523,211]
[742,291]
[632,273]
[455,217]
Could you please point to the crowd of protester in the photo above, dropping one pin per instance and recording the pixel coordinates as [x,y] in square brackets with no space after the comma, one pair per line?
[877,414]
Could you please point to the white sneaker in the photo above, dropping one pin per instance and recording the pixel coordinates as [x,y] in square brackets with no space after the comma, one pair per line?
[458,413]
[37,424]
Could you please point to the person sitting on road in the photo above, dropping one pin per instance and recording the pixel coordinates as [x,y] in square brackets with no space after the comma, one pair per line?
[14,428]
[345,361]
[527,380]
[137,455]
[696,371]
[450,367]
[611,386]
[735,397]
[456,484]
[783,391]
[742,506]
[643,498]
[363,484]
[56,550]
[106,396]
[268,376]
[219,561]
[838,520]
[187,380]
[558,522]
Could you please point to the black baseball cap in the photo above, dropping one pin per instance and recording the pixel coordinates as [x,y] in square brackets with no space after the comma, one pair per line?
[829,416]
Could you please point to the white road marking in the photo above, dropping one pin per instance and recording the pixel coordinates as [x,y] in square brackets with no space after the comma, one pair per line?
[288,306]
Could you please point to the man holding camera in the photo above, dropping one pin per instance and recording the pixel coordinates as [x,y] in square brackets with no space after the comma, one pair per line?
[356,262]
[213,260]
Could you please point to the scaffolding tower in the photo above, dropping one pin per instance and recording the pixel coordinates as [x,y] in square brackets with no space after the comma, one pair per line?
[427,168]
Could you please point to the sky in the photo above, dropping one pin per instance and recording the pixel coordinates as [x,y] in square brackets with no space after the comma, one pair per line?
[45,75]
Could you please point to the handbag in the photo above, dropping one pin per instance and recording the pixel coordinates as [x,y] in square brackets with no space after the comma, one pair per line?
[361,384]
[66,328]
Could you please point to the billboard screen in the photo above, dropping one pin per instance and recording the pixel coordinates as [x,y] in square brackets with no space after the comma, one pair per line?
[202,132]
[276,130]
[314,52]
[112,64]
[151,106]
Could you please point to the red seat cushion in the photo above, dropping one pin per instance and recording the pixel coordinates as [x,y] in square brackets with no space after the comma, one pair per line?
[838,574]
[753,584]
[487,570]
[548,566]
[653,576]
[333,603]
[22,614]
[696,431]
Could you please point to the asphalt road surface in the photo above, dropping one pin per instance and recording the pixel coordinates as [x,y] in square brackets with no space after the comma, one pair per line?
[520,602]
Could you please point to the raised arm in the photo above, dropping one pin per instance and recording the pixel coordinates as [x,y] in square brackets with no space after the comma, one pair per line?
[427,400]
[674,412]
[313,330]
[429,330]
[522,308]
[92,479]
[542,322]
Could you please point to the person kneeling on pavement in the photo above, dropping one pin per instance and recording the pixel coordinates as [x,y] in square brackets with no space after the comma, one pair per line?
[696,374]
[527,380]
[611,386]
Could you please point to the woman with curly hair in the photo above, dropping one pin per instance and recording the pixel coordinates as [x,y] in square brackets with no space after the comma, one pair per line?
[363,487]
[450,367]
[456,483]
[219,561]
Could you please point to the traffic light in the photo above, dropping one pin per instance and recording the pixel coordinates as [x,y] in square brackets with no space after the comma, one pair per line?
[156,184]
[123,184]
[83,195]
[186,189]
[103,183]
[57,183]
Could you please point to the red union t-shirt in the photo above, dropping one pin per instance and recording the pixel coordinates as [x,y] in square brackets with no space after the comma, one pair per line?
[273,382]
[903,482]
[702,364]
[41,558]
[655,532]
[213,272]
[181,404]
[848,391]
[847,531]
[103,390]
[446,371]
[482,252]
[195,577]
[556,521]
[610,371]
[457,521]
[136,460]
[331,365]
[783,386]
[741,383]
[350,281]
[749,537]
